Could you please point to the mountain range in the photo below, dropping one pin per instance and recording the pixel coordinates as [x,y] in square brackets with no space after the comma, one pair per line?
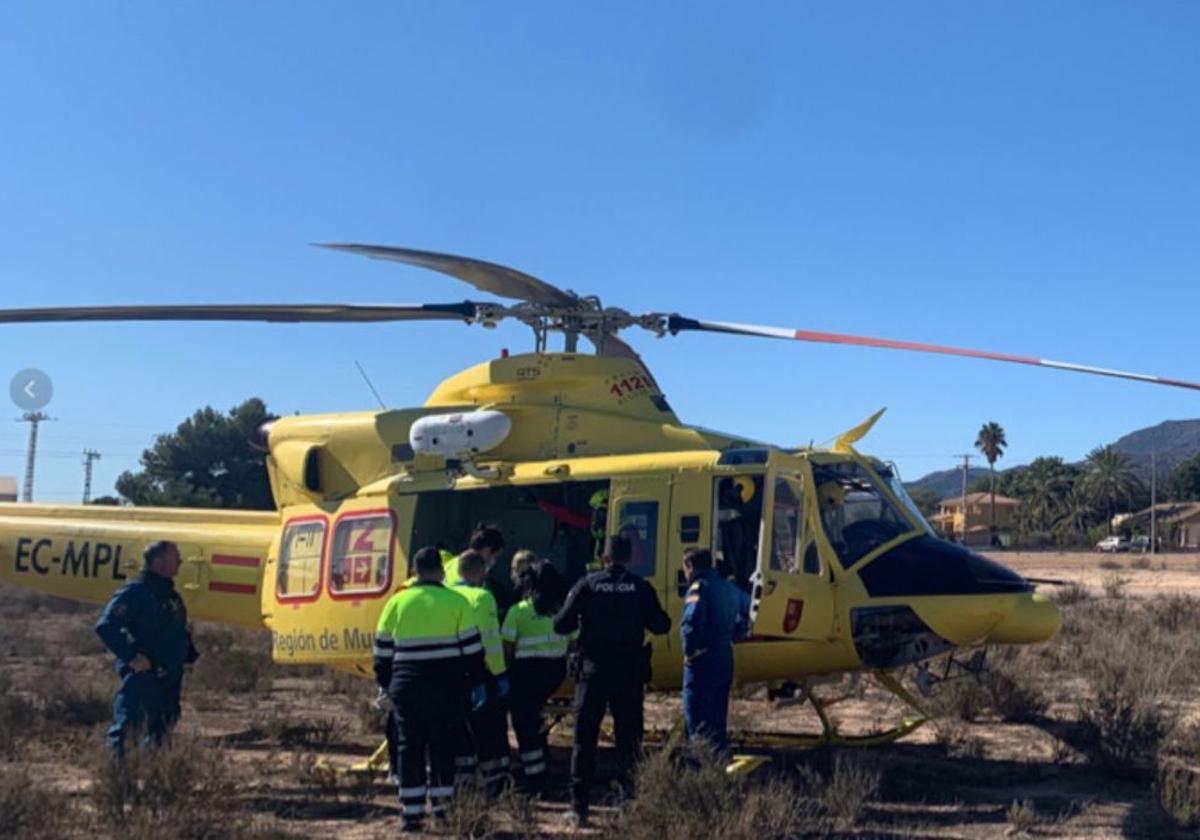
[1172,440]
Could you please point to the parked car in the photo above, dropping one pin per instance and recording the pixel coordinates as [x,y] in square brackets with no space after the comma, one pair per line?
[1111,545]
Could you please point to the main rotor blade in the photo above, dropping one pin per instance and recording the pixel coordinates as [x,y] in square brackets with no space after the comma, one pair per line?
[485,276]
[270,312]
[677,323]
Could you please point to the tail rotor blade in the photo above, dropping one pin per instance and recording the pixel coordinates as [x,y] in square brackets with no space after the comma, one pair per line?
[678,323]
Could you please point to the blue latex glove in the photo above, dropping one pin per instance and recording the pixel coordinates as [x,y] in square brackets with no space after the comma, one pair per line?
[478,697]
[502,686]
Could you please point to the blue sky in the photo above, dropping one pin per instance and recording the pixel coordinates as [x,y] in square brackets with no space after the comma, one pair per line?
[1019,177]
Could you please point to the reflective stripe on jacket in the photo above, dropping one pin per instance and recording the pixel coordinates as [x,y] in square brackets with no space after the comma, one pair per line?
[487,619]
[533,634]
[427,631]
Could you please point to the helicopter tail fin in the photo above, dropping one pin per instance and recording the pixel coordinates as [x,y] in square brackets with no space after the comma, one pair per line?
[846,440]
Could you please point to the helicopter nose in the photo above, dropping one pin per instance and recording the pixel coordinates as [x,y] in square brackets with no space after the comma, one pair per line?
[1035,618]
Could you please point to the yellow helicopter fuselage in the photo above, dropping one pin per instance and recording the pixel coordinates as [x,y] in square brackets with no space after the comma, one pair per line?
[843,573]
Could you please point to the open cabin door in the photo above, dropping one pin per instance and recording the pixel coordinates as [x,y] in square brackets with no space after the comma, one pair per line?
[793,593]
[639,508]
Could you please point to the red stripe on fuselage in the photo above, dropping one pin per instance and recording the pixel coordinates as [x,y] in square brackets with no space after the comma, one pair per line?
[238,588]
[234,560]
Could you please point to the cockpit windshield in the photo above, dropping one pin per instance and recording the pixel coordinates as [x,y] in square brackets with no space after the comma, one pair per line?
[856,515]
[888,473]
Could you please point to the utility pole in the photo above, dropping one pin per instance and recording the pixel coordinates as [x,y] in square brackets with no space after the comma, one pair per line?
[89,455]
[965,468]
[33,418]
[1154,501]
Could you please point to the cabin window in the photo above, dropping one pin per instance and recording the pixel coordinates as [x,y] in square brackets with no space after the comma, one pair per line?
[360,562]
[639,522]
[785,525]
[300,553]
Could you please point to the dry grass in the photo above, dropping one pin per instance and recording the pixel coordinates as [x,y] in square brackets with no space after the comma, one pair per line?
[181,791]
[1092,710]
[1022,817]
[1114,585]
[232,661]
[28,809]
[678,803]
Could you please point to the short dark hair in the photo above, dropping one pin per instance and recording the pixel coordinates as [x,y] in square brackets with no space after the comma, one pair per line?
[487,536]
[698,558]
[470,562]
[427,560]
[157,550]
[619,549]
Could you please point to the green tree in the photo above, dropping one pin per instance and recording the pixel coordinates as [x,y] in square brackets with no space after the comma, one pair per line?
[1042,486]
[208,461]
[1184,483]
[1109,481]
[926,501]
[991,443]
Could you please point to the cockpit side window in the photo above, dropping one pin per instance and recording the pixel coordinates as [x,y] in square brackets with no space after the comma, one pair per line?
[786,523]
[856,516]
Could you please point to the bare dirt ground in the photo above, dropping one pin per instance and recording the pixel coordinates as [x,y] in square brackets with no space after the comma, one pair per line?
[271,738]
[1146,575]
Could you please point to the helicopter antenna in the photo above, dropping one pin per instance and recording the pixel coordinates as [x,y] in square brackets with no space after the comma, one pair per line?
[367,379]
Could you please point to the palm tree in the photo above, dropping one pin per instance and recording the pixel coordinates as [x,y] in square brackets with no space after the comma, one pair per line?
[991,443]
[1076,514]
[1046,498]
[1109,480]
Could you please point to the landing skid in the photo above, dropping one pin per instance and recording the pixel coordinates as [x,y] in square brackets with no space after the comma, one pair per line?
[829,735]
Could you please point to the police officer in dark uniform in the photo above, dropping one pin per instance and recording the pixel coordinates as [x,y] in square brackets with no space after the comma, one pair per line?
[713,618]
[612,609]
[145,626]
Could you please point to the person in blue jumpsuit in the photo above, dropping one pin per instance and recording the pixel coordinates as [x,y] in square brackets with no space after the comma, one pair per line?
[145,626]
[713,617]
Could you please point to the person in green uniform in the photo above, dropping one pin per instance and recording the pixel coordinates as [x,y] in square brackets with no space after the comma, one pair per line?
[428,651]
[486,733]
[536,657]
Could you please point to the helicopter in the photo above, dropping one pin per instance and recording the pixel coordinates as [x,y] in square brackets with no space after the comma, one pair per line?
[560,449]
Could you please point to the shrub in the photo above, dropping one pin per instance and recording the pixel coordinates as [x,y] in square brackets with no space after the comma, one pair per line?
[674,803]
[184,790]
[1109,565]
[1125,724]
[1178,792]
[232,661]
[1140,563]
[1070,594]
[961,699]
[27,808]
[849,788]
[16,716]
[1114,586]
[1021,816]
[1015,699]
[68,702]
